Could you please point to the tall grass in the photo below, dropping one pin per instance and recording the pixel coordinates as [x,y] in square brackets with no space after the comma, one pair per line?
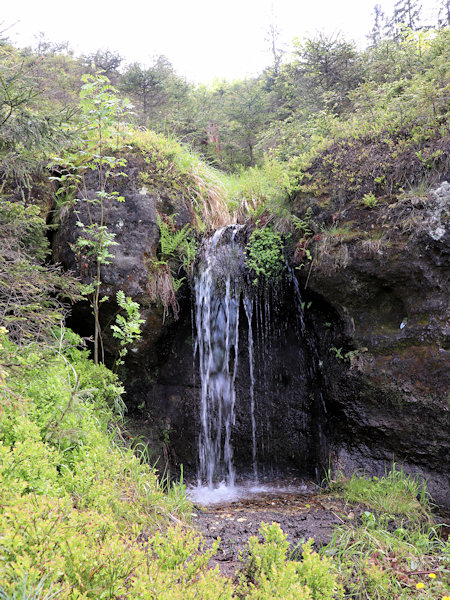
[258,190]
[201,182]
[386,554]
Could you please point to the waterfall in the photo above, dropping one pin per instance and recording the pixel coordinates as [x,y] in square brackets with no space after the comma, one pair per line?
[217,296]
[223,287]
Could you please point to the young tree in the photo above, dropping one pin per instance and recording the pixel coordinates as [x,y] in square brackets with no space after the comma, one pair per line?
[28,131]
[159,92]
[245,108]
[104,61]
[101,110]
[142,83]
[325,70]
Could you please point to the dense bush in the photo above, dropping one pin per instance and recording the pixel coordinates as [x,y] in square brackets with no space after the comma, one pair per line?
[74,499]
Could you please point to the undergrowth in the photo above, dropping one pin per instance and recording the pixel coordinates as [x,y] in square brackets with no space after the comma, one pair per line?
[177,252]
[80,515]
[390,559]
[395,550]
[264,255]
[396,493]
[268,574]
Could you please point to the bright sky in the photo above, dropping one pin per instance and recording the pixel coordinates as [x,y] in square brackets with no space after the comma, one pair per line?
[202,38]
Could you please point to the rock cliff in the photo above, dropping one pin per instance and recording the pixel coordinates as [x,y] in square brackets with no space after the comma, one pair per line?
[385,272]
[376,293]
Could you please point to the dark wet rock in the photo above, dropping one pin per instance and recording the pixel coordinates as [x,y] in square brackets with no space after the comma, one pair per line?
[134,224]
[388,400]
[285,405]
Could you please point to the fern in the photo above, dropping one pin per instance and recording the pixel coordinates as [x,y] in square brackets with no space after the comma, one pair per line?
[178,246]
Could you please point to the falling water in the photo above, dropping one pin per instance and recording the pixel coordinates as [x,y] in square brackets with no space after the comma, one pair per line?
[217,294]
[248,305]
[221,283]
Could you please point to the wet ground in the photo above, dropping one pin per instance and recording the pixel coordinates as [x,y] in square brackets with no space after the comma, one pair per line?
[302,512]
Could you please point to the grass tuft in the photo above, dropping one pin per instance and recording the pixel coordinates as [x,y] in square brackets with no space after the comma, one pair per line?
[396,493]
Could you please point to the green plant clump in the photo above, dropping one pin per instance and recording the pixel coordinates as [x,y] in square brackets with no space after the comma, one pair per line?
[395,493]
[369,200]
[265,257]
[268,574]
[178,249]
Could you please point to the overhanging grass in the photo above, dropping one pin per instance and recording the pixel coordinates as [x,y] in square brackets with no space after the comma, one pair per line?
[200,182]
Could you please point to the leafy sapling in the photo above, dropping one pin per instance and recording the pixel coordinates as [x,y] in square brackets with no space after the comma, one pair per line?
[101,111]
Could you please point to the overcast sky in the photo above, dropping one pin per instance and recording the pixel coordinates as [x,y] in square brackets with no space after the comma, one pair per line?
[202,38]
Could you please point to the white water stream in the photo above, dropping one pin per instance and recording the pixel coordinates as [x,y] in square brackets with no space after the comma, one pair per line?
[220,286]
[217,339]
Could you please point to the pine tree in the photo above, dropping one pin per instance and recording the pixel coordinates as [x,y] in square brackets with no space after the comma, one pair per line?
[379,26]
[444,13]
[407,12]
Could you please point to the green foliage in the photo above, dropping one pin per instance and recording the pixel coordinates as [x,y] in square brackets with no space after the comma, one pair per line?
[101,111]
[184,175]
[31,292]
[265,255]
[369,200]
[269,575]
[81,516]
[94,243]
[318,573]
[255,191]
[395,493]
[382,134]
[388,552]
[23,230]
[127,328]
[27,135]
[387,560]
[177,245]
[178,249]
[303,225]
[354,357]
[74,501]
[271,554]
[158,92]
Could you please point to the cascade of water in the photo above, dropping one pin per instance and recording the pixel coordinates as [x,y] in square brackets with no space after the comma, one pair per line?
[248,305]
[220,284]
[217,294]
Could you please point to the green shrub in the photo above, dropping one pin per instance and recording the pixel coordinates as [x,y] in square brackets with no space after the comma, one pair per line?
[265,257]
[318,573]
[268,574]
[369,200]
[74,502]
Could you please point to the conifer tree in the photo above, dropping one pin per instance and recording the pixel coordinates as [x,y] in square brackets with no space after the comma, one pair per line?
[379,26]
[444,13]
[407,12]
